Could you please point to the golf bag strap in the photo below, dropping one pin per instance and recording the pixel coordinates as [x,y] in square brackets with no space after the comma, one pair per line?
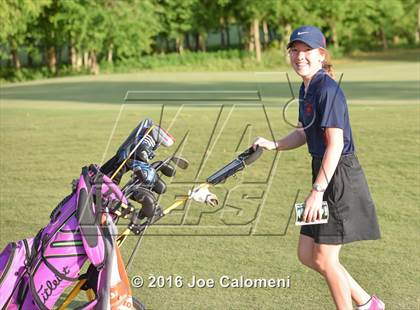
[85,174]
[23,288]
[85,215]
[36,246]
[9,261]
[99,180]
[27,252]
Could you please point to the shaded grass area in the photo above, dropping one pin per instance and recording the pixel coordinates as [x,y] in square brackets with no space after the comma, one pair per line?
[386,81]
[113,92]
[222,60]
[408,55]
[45,141]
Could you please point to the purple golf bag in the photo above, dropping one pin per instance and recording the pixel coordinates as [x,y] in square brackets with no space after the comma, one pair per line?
[34,272]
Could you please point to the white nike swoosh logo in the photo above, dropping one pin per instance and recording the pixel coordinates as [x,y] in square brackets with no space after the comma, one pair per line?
[299,33]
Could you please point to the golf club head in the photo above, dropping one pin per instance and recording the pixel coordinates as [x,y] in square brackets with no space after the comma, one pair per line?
[168,170]
[164,167]
[160,186]
[180,162]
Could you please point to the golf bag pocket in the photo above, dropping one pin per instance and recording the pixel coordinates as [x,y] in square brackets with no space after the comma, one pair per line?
[89,217]
[13,264]
[58,262]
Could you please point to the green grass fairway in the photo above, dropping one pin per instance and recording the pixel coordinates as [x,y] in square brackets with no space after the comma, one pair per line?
[50,129]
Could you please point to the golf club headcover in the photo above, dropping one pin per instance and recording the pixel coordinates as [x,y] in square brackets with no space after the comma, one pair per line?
[159,186]
[162,137]
[144,139]
[148,177]
[144,172]
[251,155]
[146,198]
[236,165]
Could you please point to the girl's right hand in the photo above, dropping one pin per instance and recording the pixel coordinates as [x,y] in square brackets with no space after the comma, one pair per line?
[264,143]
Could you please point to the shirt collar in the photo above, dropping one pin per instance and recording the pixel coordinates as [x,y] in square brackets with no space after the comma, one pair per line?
[313,84]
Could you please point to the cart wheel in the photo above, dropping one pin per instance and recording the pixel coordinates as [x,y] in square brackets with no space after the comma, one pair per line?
[138,305]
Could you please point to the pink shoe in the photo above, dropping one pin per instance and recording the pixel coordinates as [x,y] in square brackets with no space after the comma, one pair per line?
[376,304]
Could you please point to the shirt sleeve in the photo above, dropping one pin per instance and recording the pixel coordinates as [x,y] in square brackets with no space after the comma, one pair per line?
[333,108]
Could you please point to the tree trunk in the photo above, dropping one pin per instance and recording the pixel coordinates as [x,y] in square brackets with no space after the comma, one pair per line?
[285,40]
[93,64]
[187,41]
[334,37]
[384,40]
[167,46]
[240,36]
[110,53]
[179,45]
[202,42]
[227,36]
[251,38]
[73,56]
[58,53]
[222,38]
[222,32]
[418,27]
[52,59]
[79,60]
[15,59]
[86,59]
[30,60]
[196,41]
[257,40]
[265,31]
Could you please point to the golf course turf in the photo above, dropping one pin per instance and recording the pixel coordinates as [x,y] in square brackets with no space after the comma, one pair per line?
[50,129]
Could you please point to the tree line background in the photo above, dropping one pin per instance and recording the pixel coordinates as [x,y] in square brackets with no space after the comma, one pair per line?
[79,36]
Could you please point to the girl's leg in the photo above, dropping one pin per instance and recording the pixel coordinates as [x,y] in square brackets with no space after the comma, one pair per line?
[305,250]
[358,294]
[326,261]
[305,255]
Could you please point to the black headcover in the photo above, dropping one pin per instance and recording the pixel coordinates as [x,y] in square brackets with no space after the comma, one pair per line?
[244,159]
[146,198]
[140,145]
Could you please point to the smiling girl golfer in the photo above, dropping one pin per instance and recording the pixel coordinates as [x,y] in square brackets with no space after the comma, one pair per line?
[336,173]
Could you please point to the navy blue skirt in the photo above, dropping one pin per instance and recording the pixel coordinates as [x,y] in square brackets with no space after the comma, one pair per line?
[352,211]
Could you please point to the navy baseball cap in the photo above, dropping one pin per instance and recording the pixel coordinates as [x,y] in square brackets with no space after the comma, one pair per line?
[309,35]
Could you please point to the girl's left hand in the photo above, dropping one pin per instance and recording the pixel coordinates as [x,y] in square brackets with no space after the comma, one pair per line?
[313,204]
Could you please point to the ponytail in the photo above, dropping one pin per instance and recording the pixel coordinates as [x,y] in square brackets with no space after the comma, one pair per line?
[327,65]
